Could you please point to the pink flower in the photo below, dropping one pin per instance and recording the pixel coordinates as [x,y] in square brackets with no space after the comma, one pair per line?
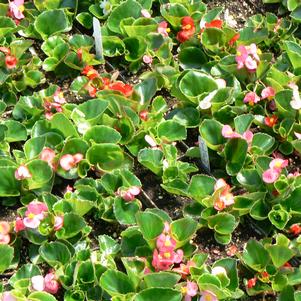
[251,64]
[247,56]
[58,97]
[4,233]
[272,174]
[34,214]
[248,136]
[16,8]
[68,161]
[241,56]
[19,225]
[165,243]
[208,296]
[38,283]
[224,198]
[51,284]
[184,269]
[48,155]
[190,290]
[227,132]
[145,13]
[163,260]
[22,173]
[58,223]
[298,135]
[268,93]
[163,28]
[147,59]
[7,296]
[251,98]
[129,194]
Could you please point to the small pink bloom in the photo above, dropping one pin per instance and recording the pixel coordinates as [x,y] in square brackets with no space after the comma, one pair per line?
[68,161]
[38,283]
[165,243]
[48,155]
[190,290]
[251,64]
[184,269]
[150,141]
[220,183]
[270,175]
[163,28]
[51,284]
[147,59]
[248,136]
[227,132]
[59,97]
[145,13]
[4,233]
[129,194]
[268,93]
[7,296]
[241,56]
[278,163]
[34,214]
[19,225]
[208,296]
[58,223]
[16,8]
[227,198]
[251,98]
[298,135]
[22,173]
[252,49]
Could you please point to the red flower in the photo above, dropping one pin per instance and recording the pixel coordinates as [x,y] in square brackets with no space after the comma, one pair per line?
[143,115]
[234,39]
[10,61]
[214,24]
[251,282]
[295,229]
[125,89]
[105,81]
[187,31]
[90,72]
[271,120]
[91,90]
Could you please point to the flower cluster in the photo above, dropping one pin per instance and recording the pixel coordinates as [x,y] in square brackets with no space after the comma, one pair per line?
[92,87]
[47,284]
[54,104]
[274,171]
[248,57]
[128,194]
[164,255]
[228,132]
[16,9]
[163,28]
[67,162]
[252,98]
[10,60]
[224,197]
[187,31]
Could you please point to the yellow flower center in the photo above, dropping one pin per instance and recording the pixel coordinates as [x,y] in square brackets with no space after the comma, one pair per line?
[188,26]
[208,298]
[107,6]
[238,53]
[278,164]
[184,290]
[167,255]
[31,215]
[259,51]
[1,229]
[21,8]
[167,29]
[167,243]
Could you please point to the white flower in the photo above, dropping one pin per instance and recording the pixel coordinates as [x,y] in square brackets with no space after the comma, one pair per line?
[296,100]
[106,7]
[150,141]
[218,270]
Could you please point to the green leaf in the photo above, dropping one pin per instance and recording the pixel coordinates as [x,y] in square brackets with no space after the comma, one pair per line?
[61,123]
[159,294]
[183,229]
[112,46]
[9,186]
[152,159]
[51,22]
[150,224]
[116,283]
[192,58]
[262,143]
[55,253]
[171,131]
[102,134]
[7,255]
[280,255]
[145,91]
[41,296]
[41,173]
[243,122]
[34,146]
[125,211]
[24,272]
[16,131]
[223,223]
[73,224]
[201,186]
[161,279]
[7,25]
[255,255]
[250,35]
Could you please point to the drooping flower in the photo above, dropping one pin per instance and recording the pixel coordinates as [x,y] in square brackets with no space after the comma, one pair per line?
[68,161]
[48,156]
[79,54]
[129,194]
[106,7]
[147,59]
[227,132]
[251,282]
[143,115]
[273,172]
[35,213]
[90,72]
[251,98]
[295,229]
[190,290]
[247,56]
[22,172]
[270,121]
[19,225]
[232,250]
[58,223]
[296,100]
[4,233]
[11,61]
[150,140]
[214,24]
[268,93]
[187,31]
[51,284]
[163,28]
[5,50]
[91,89]
[16,9]
[234,39]
[208,296]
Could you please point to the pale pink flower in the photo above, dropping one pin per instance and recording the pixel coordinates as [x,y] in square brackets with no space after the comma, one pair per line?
[163,28]
[51,284]
[298,135]
[58,223]
[251,98]
[7,296]
[48,156]
[68,161]
[252,49]
[4,233]
[150,141]
[16,9]
[218,270]
[184,269]
[227,132]
[270,175]
[58,97]
[208,296]
[278,163]
[190,290]
[38,283]
[247,56]
[34,214]
[221,183]
[165,243]
[251,64]
[248,136]
[147,59]
[227,198]
[241,56]
[129,194]
[19,225]
[296,100]
[22,172]
[145,13]
[268,93]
